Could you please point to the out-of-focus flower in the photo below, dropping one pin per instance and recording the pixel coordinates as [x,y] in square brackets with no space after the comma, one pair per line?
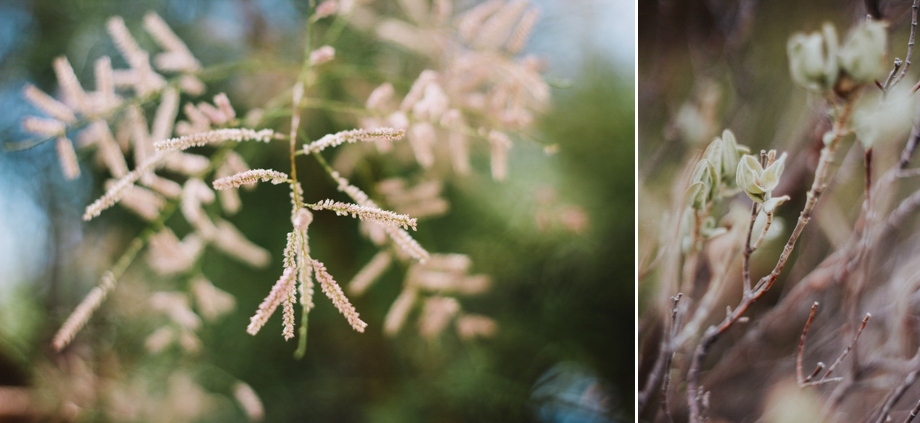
[813,58]
[862,55]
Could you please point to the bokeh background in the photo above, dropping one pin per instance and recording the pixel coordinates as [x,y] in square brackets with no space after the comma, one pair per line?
[562,296]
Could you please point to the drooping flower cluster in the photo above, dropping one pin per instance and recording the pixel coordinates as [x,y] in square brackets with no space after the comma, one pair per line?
[334,292]
[436,281]
[280,292]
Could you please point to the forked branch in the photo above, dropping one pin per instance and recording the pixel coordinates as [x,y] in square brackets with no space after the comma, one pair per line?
[809,380]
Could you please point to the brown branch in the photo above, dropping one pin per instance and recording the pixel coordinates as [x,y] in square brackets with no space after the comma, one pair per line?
[670,357]
[896,395]
[807,381]
[765,283]
[798,360]
[913,413]
[910,45]
[849,347]
[746,260]
[663,362]
[884,87]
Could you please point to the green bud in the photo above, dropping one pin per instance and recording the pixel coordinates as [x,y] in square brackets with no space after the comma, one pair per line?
[862,56]
[748,175]
[813,59]
[769,179]
[730,156]
[878,119]
[686,226]
[700,190]
[770,205]
[713,154]
[756,181]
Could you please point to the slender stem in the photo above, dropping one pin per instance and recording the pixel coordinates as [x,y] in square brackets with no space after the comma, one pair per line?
[670,357]
[896,395]
[865,254]
[910,44]
[849,347]
[798,360]
[763,232]
[913,413]
[746,259]
[765,283]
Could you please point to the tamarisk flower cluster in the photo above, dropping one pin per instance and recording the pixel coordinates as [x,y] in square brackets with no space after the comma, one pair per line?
[439,278]
[217,135]
[384,217]
[334,292]
[399,236]
[146,132]
[166,254]
[250,177]
[479,89]
[481,77]
[332,140]
[281,292]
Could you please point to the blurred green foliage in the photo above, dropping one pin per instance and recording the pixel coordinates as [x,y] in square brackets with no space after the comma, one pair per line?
[558,296]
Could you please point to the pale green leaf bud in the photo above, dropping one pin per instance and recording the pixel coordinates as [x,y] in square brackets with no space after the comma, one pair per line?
[686,225]
[877,120]
[862,56]
[770,205]
[747,177]
[813,59]
[769,179]
[756,181]
[701,183]
[730,156]
[713,154]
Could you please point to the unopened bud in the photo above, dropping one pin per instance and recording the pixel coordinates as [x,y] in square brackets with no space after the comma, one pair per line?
[701,183]
[813,59]
[730,154]
[756,181]
[862,56]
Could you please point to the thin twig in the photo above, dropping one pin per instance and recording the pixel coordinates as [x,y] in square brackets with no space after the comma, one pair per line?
[909,173]
[746,260]
[849,347]
[763,232]
[651,382]
[913,413]
[663,362]
[798,359]
[670,357]
[896,395]
[864,255]
[910,44]
[884,87]
[807,381]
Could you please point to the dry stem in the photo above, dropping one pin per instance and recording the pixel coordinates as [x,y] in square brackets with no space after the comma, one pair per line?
[817,188]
